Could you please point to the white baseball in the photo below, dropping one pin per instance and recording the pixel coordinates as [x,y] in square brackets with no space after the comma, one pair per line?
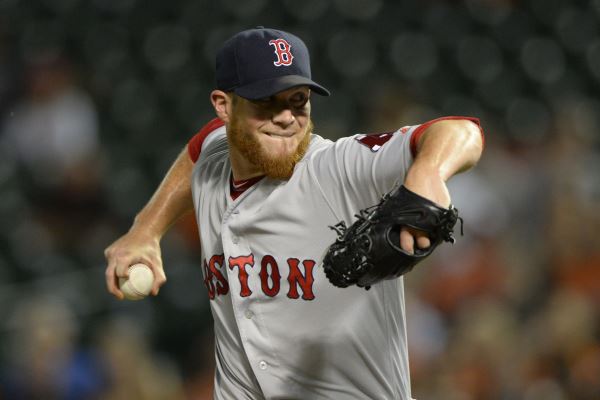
[139,283]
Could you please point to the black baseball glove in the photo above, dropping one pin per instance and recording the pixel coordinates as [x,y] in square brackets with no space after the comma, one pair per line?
[369,250]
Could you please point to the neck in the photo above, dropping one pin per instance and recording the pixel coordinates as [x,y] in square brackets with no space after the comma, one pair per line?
[241,168]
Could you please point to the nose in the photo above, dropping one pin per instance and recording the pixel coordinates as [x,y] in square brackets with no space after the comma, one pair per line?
[283,117]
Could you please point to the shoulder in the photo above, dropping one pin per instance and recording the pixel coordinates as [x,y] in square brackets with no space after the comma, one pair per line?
[206,135]
[359,142]
[213,159]
[317,143]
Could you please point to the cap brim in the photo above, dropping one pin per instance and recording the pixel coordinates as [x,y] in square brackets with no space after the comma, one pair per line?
[269,87]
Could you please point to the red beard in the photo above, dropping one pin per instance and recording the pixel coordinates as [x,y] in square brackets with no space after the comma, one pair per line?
[278,167]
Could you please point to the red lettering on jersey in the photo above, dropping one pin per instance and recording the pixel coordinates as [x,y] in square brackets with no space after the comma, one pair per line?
[211,272]
[210,287]
[214,265]
[241,262]
[282,51]
[374,141]
[272,290]
[296,278]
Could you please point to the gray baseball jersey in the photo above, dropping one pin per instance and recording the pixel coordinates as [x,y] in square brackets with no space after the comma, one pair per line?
[282,331]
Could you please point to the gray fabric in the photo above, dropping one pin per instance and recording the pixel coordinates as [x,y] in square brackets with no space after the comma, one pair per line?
[302,341]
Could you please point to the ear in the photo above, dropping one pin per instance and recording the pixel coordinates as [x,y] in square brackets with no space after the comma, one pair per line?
[222,104]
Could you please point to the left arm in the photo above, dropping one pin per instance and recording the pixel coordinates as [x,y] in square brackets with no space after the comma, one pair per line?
[444,149]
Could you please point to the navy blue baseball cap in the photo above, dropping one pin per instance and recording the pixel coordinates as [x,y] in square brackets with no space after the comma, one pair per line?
[260,62]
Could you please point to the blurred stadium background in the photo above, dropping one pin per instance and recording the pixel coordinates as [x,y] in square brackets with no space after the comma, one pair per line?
[98,96]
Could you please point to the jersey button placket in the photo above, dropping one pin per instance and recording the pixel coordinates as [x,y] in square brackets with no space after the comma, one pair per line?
[235,239]
[248,320]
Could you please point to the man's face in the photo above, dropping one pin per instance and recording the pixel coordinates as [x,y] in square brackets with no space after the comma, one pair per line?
[272,133]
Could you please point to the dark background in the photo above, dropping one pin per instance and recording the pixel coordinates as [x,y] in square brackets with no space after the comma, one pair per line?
[97,98]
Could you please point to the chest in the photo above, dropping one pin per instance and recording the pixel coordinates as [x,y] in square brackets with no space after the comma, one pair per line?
[272,216]
[269,241]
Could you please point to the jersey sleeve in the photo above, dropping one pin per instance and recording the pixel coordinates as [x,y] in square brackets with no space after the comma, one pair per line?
[201,139]
[356,171]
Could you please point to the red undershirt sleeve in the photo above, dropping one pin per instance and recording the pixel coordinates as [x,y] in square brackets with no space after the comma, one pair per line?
[195,143]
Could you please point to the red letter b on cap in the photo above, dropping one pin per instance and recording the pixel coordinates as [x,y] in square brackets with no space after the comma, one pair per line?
[282,51]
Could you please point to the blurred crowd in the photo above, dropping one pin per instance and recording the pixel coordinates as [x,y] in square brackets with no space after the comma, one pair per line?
[97,97]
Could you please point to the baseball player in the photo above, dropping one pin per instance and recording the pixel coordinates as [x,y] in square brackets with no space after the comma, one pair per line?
[265,190]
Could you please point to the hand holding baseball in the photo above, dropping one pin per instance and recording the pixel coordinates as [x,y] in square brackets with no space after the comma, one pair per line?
[139,283]
[135,247]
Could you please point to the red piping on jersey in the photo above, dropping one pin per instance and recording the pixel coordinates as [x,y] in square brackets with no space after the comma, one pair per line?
[414,139]
[195,143]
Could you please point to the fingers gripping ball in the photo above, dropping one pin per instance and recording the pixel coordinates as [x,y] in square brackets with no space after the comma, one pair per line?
[139,283]
[369,250]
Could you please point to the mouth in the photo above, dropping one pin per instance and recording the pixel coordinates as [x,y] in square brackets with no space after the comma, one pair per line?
[280,134]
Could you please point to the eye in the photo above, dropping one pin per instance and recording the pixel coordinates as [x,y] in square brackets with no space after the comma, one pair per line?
[298,100]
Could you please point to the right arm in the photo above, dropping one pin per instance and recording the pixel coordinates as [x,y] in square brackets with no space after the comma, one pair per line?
[141,244]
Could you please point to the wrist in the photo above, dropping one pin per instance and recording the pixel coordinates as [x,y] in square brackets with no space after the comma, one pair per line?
[427,181]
